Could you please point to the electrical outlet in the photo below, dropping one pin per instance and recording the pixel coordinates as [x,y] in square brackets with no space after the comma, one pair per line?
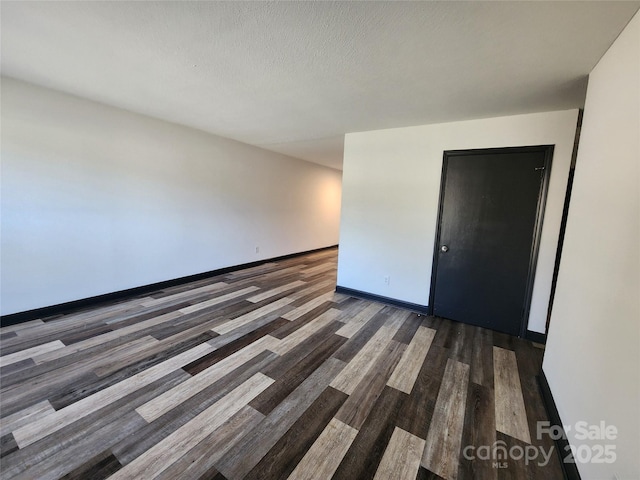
[387,279]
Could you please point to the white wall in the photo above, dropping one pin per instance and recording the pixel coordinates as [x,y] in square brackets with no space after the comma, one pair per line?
[592,361]
[391,186]
[96,199]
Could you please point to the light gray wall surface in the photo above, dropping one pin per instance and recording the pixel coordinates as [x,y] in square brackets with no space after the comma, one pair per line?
[391,186]
[97,199]
[592,360]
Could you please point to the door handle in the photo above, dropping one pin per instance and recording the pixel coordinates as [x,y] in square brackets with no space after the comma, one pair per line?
[444,249]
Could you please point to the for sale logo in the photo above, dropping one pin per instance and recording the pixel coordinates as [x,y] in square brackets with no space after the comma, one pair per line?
[498,454]
[598,446]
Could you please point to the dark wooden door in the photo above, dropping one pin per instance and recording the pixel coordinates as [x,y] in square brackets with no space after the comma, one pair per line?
[490,218]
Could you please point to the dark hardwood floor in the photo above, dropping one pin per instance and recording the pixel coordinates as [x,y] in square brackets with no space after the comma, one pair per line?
[265,373]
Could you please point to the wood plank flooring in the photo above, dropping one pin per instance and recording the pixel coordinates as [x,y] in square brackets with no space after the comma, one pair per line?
[265,373]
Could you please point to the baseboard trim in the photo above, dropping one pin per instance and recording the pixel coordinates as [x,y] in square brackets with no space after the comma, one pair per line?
[536,337]
[563,449]
[68,307]
[379,298]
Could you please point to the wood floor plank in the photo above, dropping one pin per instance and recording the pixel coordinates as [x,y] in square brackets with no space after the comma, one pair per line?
[479,430]
[511,415]
[424,474]
[72,458]
[170,399]
[218,300]
[279,273]
[241,306]
[442,450]
[8,445]
[198,330]
[284,363]
[76,444]
[357,368]
[246,454]
[106,337]
[283,457]
[274,291]
[445,332]
[409,328]
[513,469]
[291,326]
[324,456]
[70,322]
[200,460]
[139,314]
[351,348]
[32,432]
[183,287]
[69,338]
[349,306]
[366,451]
[289,342]
[25,416]
[323,267]
[17,367]
[68,365]
[7,335]
[238,322]
[252,271]
[340,298]
[462,338]
[18,327]
[357,408]
[314,289]
[192,292]
[109,315]
[406,372]
[529,359]
[418,409]
[482,358]
[313,293]
[259,325]
[401,459]
[302,309]
[30,352]
[131,353]
[90,384]
[356,323]
[172,448]
[180,355]
[44,385]
[227,349]
[155,432]
[503,340]
[268,400]
[98,468]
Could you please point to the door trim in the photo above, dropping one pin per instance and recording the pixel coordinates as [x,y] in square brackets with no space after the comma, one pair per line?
[537,230]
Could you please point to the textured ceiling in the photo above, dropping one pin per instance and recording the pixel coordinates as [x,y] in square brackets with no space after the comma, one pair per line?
[294,77]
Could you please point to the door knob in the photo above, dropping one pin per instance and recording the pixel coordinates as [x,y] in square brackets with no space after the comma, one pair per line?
[444,249]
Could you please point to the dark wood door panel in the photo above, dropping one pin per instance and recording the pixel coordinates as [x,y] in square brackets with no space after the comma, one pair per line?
[489,215]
